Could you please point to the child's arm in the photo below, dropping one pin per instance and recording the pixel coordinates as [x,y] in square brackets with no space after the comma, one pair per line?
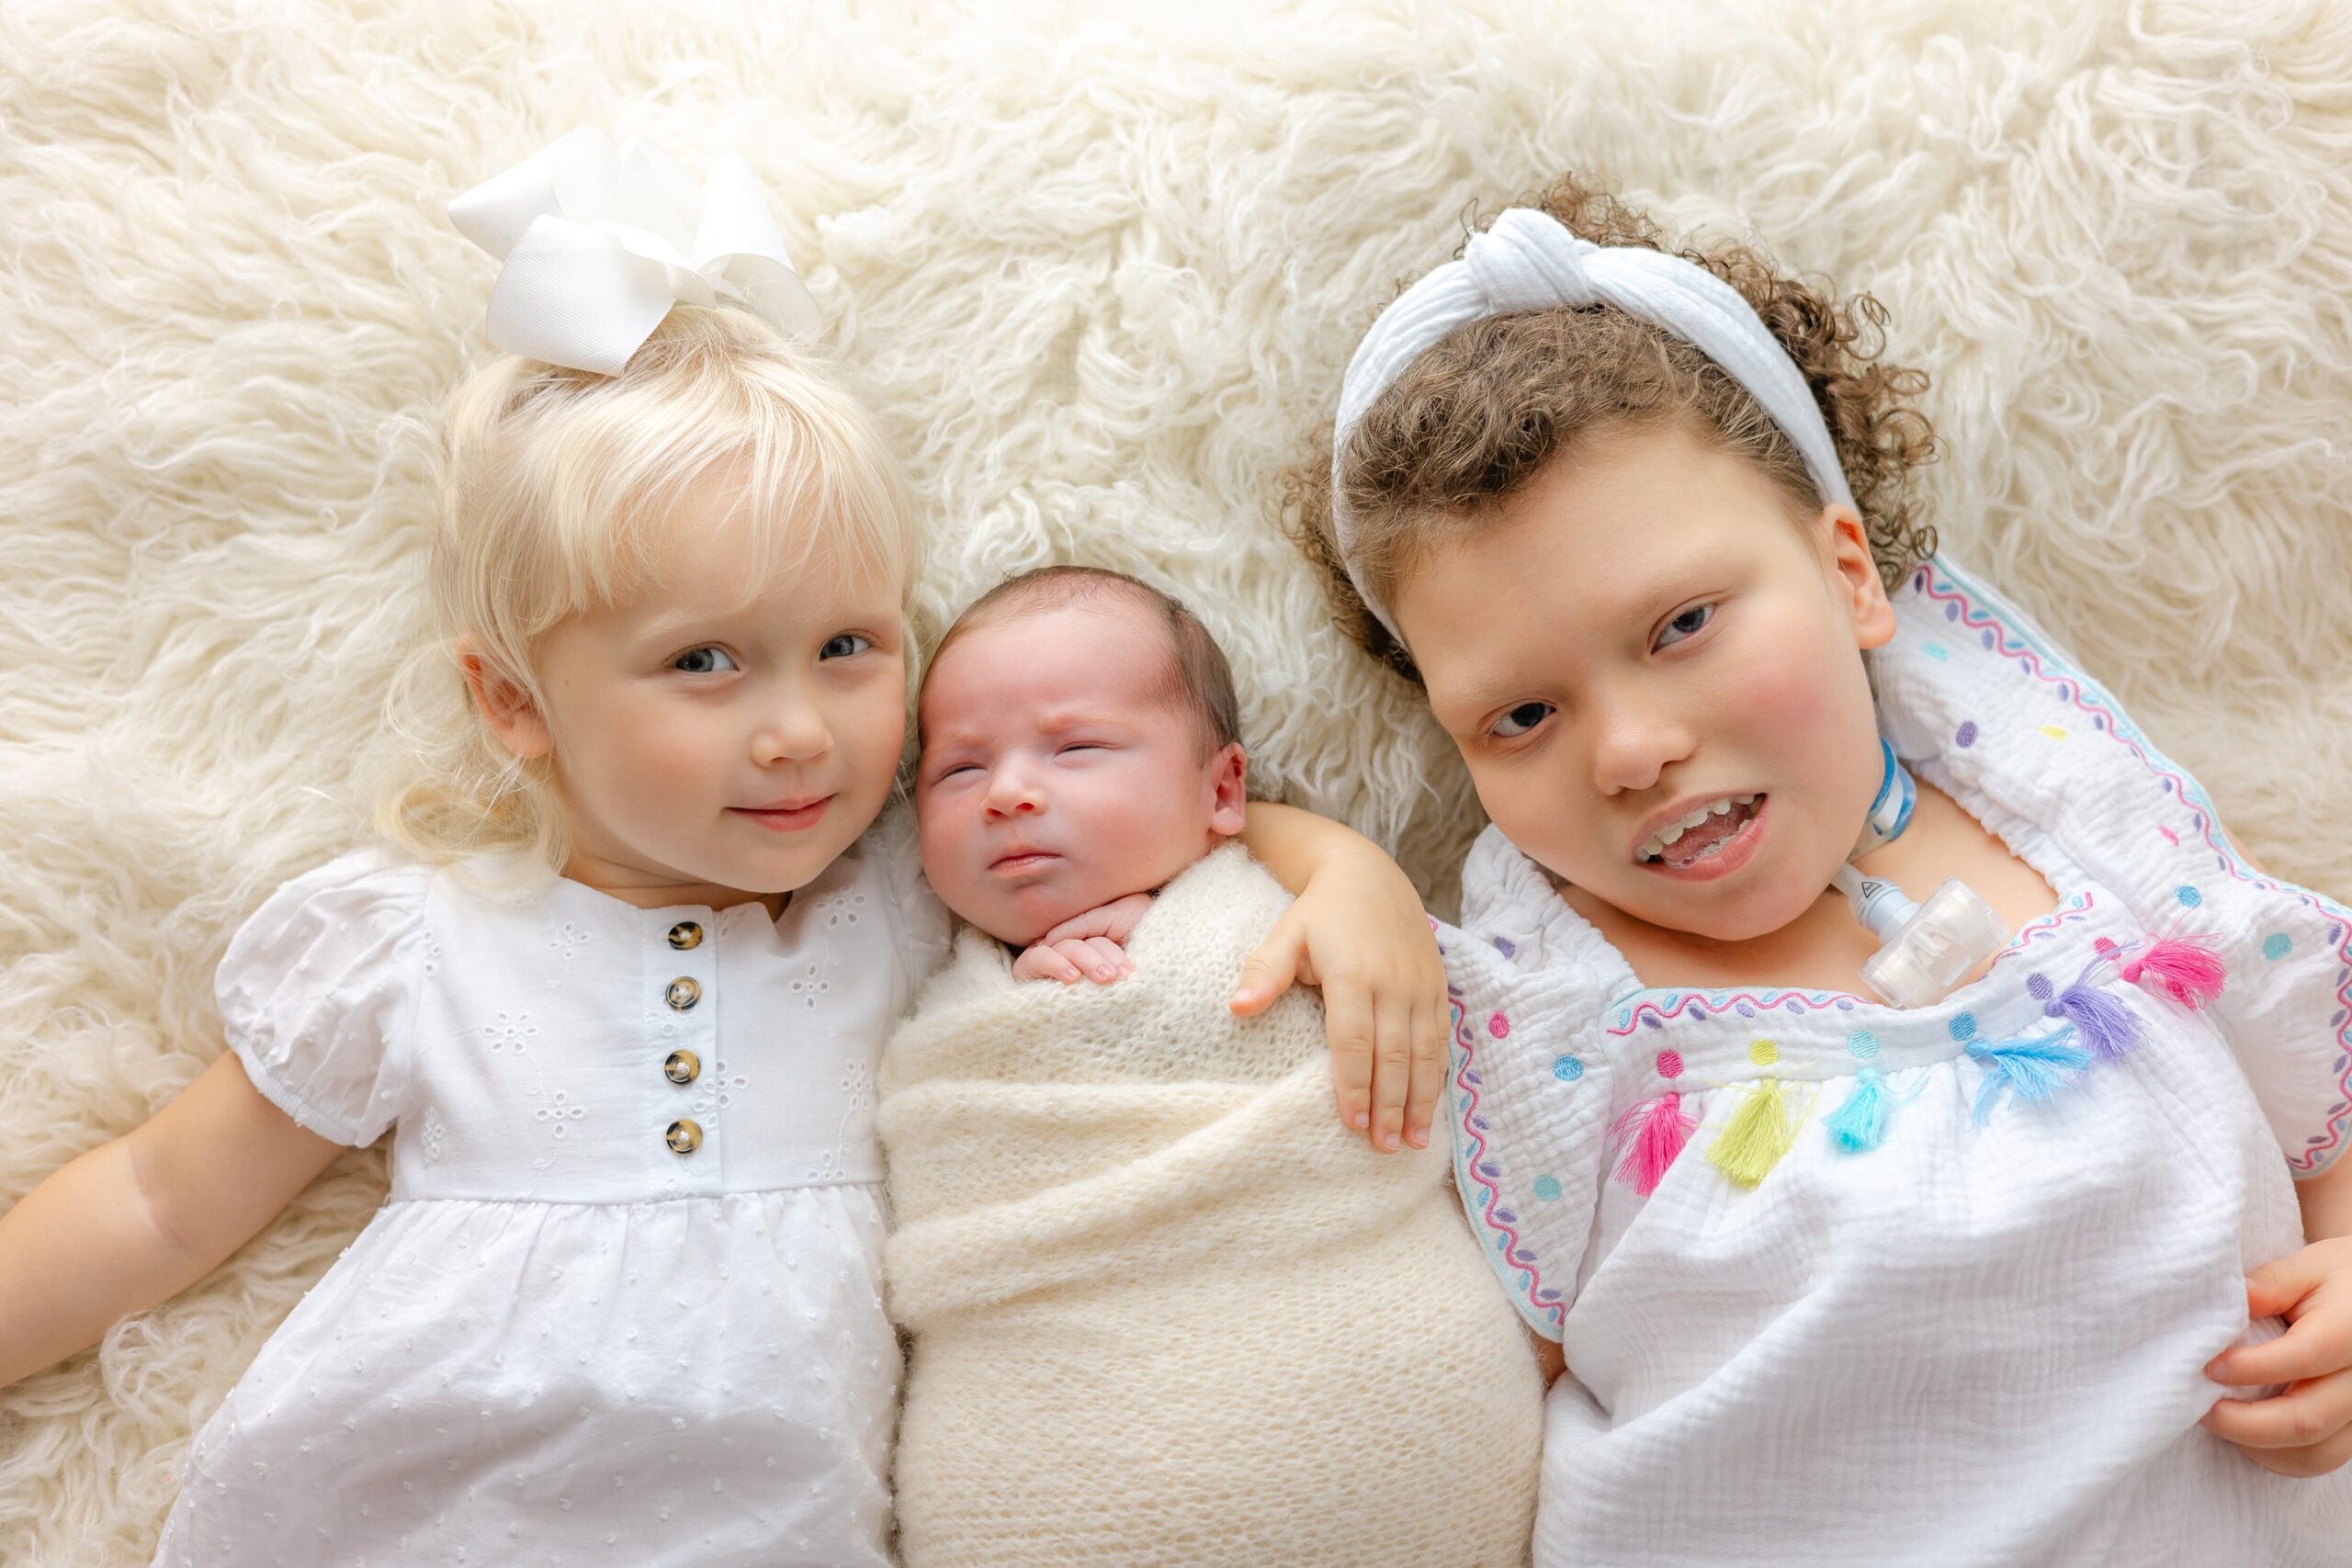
[2307,1430]
[134,1221]
[1358,930]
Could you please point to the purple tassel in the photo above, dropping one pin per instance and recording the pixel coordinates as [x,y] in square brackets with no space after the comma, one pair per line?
[2107,1027]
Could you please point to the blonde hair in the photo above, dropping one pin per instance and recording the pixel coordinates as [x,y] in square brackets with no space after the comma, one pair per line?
[558,489]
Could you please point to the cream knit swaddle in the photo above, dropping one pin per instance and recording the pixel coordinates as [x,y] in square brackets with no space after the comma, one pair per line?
[1166,1308]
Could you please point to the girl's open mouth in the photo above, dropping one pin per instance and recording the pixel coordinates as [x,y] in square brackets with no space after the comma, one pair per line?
[1703,836]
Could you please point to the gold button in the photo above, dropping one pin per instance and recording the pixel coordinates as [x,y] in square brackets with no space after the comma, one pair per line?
[685,934]
[683,1068]
[683,1136]
[682,993]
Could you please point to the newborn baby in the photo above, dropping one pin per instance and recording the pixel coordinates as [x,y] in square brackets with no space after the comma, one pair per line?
[1164,1306]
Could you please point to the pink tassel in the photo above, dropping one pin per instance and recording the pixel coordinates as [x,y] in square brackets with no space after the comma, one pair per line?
[1651,1134]
[2185,968]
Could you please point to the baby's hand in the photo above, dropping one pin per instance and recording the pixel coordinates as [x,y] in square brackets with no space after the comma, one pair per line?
[2308,1430]
[1090,947]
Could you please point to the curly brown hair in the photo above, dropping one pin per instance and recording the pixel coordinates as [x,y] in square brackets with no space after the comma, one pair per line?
[1478,416]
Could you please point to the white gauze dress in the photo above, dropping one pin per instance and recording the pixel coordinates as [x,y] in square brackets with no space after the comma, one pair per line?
[622,1304]
[1974,1334]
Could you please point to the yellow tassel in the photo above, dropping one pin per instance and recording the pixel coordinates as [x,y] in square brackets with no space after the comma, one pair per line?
[1756,1137]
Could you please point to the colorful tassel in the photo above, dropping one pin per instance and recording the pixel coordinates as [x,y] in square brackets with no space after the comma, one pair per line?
[1650,1135]
[2186,969]
[1859,1126]
[2107,1027]
[1756,1137]
[2031,1069]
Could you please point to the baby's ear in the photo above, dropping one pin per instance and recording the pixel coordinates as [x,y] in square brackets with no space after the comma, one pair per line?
[1228,797]
[506,706]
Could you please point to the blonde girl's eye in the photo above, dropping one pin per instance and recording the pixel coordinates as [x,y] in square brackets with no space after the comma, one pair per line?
[843,644]
[704,661]
[1522,719]
[1690,622]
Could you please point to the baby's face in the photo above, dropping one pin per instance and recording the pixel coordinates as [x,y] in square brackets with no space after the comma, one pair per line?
[1059,772]
[1647,644]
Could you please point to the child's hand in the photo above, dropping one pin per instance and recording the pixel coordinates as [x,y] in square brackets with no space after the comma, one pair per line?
[1090,947]
[2308,1430]
[1357,931]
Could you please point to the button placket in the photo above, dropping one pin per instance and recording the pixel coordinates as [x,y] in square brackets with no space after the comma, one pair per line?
[683,973]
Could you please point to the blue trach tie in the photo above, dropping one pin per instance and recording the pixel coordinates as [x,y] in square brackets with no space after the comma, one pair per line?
[1924,950]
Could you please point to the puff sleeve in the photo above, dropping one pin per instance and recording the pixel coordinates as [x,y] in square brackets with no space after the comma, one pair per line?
[1527,1092]
[318,995]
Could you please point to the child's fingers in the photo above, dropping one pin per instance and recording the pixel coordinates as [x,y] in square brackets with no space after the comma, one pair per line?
[1430,1021]
[1392,1065]
[1274,968]
[2316,1344]
[2276,1288]
[2305,1431]
[1348,1023]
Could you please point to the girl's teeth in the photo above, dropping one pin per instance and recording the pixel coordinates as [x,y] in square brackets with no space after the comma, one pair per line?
[1652,849]
[1675,832]
[1695,819]
[1719,808]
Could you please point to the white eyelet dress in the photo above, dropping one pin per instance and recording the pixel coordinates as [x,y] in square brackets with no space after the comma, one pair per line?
[1971,1330]
[621,1305]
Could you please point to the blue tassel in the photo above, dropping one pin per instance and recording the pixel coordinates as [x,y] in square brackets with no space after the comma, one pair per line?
[1859,1126]
[2109,1028]
[2031,1069]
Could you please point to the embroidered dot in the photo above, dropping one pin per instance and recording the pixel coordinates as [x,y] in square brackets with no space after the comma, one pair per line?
[1499,1026]
[2103,945]
[1547,1188]
[1962,1026]
[1965,736]
[1567,1070]
[1861,1044]
[1669,1064]
[2039,987]
[2052,731]
[2190,897]
[1937,651]
[1763,1052]
[1505,946]
[2277,945]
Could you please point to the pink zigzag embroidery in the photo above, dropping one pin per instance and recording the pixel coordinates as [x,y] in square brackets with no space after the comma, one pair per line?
[2075,689]
[1474,1156]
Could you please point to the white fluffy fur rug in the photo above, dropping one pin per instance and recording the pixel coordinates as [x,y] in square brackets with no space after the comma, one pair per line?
[1099,268]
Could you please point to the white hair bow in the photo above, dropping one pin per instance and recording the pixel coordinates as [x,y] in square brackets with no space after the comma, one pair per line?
[600,240]
[1528,260]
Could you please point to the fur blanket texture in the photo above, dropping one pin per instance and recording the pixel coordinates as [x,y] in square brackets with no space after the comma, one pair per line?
[1098,263]
[1165,1307]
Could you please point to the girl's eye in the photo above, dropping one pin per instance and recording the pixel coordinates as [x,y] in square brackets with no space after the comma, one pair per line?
[1690,623]
[1522,719]
[704,661]
[843,646]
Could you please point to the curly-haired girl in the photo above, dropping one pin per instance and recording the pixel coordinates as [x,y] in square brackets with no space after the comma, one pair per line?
[1952,1280]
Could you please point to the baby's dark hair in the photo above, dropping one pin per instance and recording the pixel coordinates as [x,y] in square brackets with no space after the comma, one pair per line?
[1474,419]
[1200,681]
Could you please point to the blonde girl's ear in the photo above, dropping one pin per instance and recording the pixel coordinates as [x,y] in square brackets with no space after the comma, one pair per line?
[1854,580]
[505,706]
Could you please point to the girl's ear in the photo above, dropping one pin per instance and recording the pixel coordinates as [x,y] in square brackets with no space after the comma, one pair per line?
[1228,802]
[1854,575]
[506,707]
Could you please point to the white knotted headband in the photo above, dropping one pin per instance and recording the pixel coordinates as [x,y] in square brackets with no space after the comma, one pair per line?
[601,240]
[1527,261]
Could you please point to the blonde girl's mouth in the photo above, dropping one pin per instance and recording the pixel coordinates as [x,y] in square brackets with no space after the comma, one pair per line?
[1707,834]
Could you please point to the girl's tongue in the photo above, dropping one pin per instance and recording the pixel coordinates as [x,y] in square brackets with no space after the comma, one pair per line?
[1694,842]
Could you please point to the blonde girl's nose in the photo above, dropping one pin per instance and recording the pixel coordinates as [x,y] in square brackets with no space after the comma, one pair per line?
[792,729]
